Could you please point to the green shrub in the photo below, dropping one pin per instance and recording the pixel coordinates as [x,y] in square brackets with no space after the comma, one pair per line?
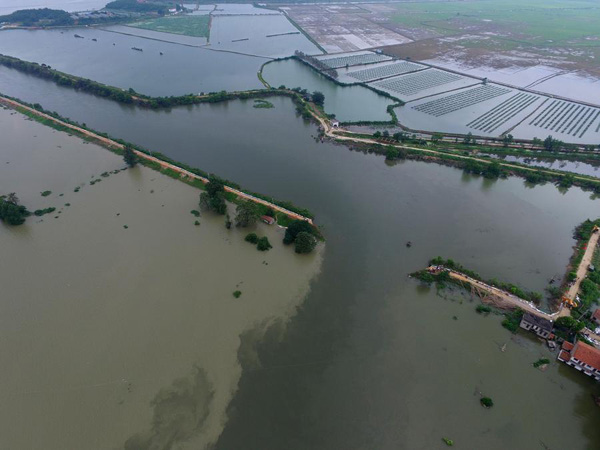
[483,309]
[486,402]
[46,193]
[11,212]
[195,212]
[41,212]
[263,244]
[512,320]
[237,294]
[252,238]
[541,362]
[305,242]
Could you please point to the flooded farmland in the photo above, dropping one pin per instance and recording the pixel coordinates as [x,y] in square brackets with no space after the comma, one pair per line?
[348,103]
[179,70]
[370,359]
[107,331]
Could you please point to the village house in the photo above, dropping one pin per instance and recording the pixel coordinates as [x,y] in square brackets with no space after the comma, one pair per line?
[540,326]
[596,316]
[582,356]
[268,220]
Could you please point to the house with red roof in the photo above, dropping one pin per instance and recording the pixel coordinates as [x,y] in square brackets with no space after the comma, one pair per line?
[596,316]
[582,357]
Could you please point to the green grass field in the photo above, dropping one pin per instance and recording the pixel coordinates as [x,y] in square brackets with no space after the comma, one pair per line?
[197,26]
[533,21]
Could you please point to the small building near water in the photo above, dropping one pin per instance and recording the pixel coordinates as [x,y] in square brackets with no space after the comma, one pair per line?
[540,326]
[335,124]
[268,220]
[596,316]
[582,357]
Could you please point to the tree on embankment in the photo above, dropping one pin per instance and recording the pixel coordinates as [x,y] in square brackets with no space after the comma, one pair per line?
[296,233]
[129,156]
[11,212]
[213,199]
[318,98]
[246,214]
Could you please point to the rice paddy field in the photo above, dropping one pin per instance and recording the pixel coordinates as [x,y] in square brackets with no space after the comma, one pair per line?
[493,110]
[424,83]
[385,71]
[564,120]
[483,110]
[189,25]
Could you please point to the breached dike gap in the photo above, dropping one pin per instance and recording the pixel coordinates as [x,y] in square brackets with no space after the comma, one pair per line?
[186,175]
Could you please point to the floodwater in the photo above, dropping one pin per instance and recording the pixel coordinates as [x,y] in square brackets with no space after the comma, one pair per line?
[371,359]
[348,103]
[557,164]
[270,35]
[114,337]
[180,70]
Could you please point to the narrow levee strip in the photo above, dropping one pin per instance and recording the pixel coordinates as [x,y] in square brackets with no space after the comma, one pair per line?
[164,164]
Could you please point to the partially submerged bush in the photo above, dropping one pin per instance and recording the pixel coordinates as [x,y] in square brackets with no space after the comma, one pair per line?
[263,244]
[486,402]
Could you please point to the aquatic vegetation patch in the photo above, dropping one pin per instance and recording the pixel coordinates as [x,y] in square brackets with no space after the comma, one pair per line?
[41,212]
[262,104]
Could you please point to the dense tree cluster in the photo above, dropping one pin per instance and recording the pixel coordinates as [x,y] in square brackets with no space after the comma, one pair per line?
[11,212]
[213,199]
[129,156]
[246,214]
[42,16]
[302,234]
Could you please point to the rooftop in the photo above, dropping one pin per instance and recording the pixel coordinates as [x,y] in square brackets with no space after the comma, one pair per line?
[596,314]
[587,354]
[544,324]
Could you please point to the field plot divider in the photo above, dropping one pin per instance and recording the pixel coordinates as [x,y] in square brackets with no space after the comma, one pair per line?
[441,93]
[523,104]
[585,122]
[526,117]
[475,123]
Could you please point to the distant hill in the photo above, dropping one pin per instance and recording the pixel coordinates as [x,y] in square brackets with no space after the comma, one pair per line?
[44,16]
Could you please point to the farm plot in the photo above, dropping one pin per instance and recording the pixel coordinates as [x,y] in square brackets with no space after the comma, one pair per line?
[461,100]
[563,117]
[354,60]
[387,71]
[422,83]
[502,113]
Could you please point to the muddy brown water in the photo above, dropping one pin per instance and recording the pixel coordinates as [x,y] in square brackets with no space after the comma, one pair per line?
[114,337]
[370,359]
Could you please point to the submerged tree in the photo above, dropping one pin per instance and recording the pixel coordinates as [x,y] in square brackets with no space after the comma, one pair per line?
[129,156]
[10,211]
[305,242]
[296,227]
[213,199]
[246,214]
[318,98]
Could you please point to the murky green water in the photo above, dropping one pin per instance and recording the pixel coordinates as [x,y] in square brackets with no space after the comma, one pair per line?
[371,359]
[179,70]
[348,103]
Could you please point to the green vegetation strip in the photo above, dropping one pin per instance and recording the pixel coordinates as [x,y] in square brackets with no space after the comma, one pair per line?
[444,277]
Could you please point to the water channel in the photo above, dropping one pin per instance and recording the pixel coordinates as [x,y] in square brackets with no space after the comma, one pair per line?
[371,359]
